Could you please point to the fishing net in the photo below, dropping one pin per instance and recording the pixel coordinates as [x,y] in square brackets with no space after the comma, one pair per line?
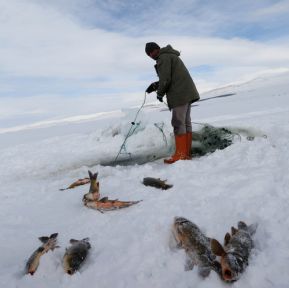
[208,139]
[142,145]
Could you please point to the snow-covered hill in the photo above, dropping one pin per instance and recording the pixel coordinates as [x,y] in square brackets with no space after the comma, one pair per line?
[131,247]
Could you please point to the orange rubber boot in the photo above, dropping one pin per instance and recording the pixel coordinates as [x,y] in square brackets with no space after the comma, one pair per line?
[181,149]
[189,145]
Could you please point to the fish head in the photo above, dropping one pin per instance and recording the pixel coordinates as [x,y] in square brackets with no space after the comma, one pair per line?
[70,263]
[186,233]
[231,267]
[231,264]
[70,269]
[178,228]
[87,197]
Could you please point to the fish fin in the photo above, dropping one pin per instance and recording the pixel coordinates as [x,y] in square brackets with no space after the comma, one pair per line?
[72,241]
[217,248]
[92,176]
[86,242]
[204,271]
[190,263]
[252,228]
[53,236]
[179,245]
[62,189]
[242,225]
[167,186]
[216,266]
[43,239]
[103,199]
[227,239]
[233,230]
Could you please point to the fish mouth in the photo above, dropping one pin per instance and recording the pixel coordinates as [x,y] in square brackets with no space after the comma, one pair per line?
[180,220]
[70,272]
[229,276]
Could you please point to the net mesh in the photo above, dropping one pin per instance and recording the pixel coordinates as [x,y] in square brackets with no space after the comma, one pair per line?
[208,139]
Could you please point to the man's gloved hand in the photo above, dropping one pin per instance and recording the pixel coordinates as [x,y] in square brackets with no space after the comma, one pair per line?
[160,98]
[153,87]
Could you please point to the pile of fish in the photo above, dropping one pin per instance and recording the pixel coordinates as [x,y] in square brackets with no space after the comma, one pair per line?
[73,258]
[202,250]
[91,199]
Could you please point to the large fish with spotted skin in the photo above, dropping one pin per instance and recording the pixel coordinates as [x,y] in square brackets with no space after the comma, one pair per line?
[236,251]
[197,246]
[49,243]
[75,255]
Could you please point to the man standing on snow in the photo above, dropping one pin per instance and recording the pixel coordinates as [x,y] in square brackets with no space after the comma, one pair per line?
[176,83]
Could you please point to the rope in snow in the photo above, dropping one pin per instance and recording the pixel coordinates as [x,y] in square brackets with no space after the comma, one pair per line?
[160,126]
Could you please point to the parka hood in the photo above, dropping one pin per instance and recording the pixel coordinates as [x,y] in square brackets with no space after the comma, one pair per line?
[169,50]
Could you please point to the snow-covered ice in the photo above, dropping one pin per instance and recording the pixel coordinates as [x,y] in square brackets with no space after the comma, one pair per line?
[131,247]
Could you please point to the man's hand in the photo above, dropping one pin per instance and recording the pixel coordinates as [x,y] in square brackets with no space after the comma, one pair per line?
[153,87]
[160,98]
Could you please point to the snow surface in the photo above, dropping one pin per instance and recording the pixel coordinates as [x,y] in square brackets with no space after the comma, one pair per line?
[132,247]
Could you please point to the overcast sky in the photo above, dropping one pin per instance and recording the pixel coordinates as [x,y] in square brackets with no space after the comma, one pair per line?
[73,48]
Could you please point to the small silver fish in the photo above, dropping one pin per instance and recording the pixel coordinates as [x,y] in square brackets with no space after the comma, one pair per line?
[49,243]
[236,251]
[75,255]
[156,182]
